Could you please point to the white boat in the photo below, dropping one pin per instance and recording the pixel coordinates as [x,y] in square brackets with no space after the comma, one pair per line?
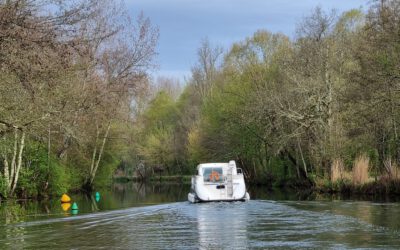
[218,182]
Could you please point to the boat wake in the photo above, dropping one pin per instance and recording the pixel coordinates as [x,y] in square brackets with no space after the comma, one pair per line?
[184,225]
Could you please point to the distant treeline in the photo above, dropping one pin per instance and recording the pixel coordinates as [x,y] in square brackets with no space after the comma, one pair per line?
[69,72]
[321,107]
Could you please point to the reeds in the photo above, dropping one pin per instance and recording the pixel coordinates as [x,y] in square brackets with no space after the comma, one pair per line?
[360,170]
[392,170]
[337,170]
[358,179]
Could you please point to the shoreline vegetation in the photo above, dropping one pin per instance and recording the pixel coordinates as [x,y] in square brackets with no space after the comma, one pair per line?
[317,112]
[345,186]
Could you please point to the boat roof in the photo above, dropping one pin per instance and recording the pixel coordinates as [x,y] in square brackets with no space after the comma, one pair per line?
[211,165]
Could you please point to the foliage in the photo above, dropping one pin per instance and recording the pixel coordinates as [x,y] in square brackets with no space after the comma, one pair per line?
[69,71]
[109,165]
[43,176]
[3,186]
[301,109]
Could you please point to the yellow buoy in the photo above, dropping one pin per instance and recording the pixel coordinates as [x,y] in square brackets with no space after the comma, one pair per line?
[65,198]
[65,206]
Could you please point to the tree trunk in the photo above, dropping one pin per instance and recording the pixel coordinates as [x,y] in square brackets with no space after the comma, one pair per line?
[254,167]
[14,157]
[19,163]
[302,158]
[297,164]
[100,154]
[67,140]
[6,174]
[92,164]
[63,150]
[48,152]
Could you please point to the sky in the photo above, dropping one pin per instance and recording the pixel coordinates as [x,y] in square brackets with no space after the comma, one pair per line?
[183,24]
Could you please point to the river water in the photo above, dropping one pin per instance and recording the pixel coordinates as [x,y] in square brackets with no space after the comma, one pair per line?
[134,216]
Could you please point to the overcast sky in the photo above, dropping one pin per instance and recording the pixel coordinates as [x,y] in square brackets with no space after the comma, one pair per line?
[184,23]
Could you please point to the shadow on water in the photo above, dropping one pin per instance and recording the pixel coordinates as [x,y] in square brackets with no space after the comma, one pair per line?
[137,216]
[277,194]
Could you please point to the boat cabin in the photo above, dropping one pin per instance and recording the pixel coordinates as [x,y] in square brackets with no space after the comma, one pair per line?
[218,182]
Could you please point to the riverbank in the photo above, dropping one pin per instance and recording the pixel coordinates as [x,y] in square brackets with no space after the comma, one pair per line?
[322,186]
[372,188]
[304,189]
[164,179]
[380,187]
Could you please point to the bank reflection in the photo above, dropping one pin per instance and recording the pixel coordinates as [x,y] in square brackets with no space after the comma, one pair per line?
[222,225]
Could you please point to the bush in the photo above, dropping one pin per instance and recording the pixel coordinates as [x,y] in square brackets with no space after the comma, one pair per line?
[107,167]
[28,184]
[59,179]
[42,176]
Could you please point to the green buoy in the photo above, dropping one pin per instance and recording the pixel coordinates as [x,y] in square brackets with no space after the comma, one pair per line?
[97,196]
[74,206]
[74,212]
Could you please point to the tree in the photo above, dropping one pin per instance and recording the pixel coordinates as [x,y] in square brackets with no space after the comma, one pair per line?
[122,69]
[375,93]
[69,69]
[33,65]
[204,72]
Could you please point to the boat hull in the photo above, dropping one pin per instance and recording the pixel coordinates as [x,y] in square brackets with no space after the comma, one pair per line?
[193,198]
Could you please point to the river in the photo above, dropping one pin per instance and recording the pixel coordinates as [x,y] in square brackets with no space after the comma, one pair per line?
[134,216]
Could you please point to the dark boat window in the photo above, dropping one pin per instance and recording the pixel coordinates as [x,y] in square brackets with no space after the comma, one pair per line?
[212,174]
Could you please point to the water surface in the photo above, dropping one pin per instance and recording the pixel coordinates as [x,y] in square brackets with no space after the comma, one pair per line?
[159,217]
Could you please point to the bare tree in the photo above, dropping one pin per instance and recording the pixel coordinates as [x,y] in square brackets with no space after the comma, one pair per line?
[204,72]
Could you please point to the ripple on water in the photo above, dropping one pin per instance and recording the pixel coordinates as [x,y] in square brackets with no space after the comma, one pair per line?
[236,225]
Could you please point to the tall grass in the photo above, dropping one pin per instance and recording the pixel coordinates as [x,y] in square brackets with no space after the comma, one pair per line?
[360,170]
[337,170]
[392,170]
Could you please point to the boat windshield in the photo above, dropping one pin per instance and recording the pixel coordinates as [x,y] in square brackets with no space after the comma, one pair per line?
[212,174]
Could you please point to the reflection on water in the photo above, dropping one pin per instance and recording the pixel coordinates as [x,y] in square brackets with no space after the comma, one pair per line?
[135,216]
[120,195]
[221,225]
